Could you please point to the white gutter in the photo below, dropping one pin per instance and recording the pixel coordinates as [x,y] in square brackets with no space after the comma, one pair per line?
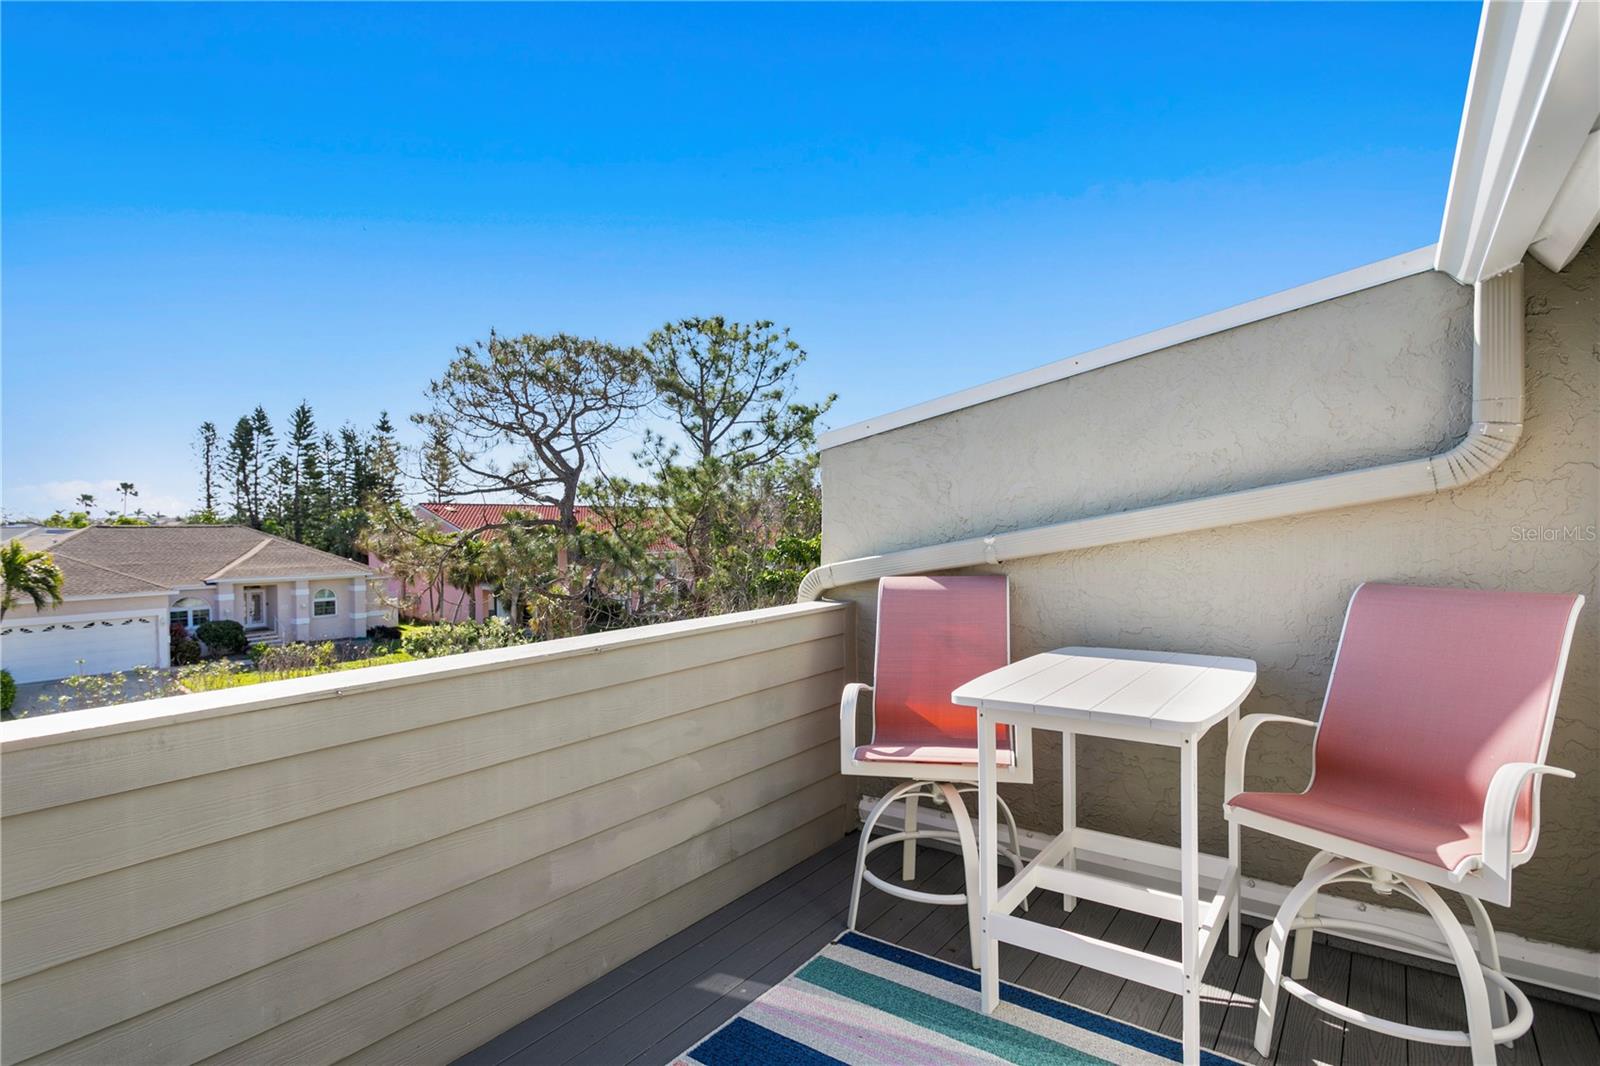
[1496,427]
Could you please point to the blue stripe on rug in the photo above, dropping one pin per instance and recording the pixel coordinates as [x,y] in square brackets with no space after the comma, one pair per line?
[972,1028]
[1133,1035]
[742,1042]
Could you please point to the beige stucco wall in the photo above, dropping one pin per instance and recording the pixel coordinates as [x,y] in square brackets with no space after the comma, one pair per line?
[1374,376]
[207,595]
[335,626]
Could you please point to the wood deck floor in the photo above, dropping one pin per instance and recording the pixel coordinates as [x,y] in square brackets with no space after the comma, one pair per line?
[665,1000]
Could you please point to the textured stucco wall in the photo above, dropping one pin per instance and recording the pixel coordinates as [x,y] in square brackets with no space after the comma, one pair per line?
[1375,376]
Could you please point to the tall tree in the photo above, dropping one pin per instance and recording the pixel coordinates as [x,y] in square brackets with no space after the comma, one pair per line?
[86,501]
[266,448]
[353,463]
[314,494]
[528,416]
[301,454]
[206,449]
[730,388]
[280,495]
[127,489]
[239,463]
[333,471]
[383,460]
[437,469]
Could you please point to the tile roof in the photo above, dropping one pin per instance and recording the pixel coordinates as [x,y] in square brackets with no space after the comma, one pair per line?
[103,560]
[476,515]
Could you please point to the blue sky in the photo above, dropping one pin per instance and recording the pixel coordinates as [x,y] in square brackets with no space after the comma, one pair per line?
[210,207]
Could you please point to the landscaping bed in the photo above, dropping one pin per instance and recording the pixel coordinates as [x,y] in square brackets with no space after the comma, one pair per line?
[262,663]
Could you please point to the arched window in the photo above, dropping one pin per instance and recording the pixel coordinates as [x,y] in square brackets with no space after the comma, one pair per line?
[189,612]
[324,603]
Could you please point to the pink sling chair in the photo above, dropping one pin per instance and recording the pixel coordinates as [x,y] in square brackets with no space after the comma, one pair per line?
[1426,769]
[934,633]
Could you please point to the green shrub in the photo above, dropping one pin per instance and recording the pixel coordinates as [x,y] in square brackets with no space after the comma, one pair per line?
[8,691]
[222,637]
[286,659]
[447,638]
[204,677]
[383,632]
[185,649]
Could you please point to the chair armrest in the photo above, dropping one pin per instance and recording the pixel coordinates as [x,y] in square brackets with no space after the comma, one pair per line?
[847,722]
[1239,743]
[1500,808]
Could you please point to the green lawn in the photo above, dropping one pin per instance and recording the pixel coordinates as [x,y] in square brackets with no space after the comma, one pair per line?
[213,682]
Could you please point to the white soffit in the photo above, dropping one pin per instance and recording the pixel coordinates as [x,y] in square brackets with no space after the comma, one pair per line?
[1576,211]
[1364,277]
[1524,169]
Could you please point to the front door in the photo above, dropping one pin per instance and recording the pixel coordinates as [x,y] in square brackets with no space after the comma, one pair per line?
[255,606]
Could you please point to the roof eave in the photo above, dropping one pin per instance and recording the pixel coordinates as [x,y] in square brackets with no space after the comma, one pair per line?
[1533,104]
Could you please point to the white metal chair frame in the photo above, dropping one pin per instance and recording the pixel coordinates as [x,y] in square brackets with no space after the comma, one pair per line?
[942,784]
[964,836]
[1341,861]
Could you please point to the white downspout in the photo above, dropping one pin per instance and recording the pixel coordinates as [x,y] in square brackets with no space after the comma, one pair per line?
[1496,426]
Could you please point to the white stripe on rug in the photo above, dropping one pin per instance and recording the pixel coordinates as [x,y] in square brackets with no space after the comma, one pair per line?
[1085,1040]
[854,1032]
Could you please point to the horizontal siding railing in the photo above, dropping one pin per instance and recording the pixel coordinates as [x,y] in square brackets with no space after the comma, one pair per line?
[400,862]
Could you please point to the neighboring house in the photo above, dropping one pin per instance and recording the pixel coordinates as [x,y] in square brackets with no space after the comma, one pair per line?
[422,599]
[126,585]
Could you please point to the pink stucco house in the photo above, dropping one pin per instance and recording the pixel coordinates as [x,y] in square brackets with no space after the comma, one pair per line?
[421,600]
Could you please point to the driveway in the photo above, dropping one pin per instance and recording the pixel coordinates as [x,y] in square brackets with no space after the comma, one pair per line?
[93,690]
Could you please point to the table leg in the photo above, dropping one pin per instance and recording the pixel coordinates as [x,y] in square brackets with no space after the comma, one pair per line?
[1189,871]
[908,849]
[1235,861]
[1069,806]
[988,863]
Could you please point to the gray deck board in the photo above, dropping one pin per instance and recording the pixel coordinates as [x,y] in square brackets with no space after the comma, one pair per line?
[668,998]
[1377,986]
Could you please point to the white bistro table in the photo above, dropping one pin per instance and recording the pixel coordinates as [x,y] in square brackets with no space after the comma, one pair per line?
[1144,696]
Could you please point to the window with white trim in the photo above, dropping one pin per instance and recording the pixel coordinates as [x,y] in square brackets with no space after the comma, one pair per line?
[189,613]
[324,603]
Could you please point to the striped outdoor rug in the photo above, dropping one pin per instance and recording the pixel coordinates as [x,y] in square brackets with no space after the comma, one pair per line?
[860,1000]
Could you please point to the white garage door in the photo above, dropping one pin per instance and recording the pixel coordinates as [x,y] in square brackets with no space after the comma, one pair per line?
[38,650]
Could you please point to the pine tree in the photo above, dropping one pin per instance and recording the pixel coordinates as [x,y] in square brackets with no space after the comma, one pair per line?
[302,443]
[266,447]
[353,457]
[206,448]
[314,495]
[333,472]
[437,468]
[281,489]
[238,464]
[383,461]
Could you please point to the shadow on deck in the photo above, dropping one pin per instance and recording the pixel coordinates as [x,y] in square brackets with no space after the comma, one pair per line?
[662,1002]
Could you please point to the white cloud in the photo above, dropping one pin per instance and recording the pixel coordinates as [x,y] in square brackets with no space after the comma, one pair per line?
[39,500]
